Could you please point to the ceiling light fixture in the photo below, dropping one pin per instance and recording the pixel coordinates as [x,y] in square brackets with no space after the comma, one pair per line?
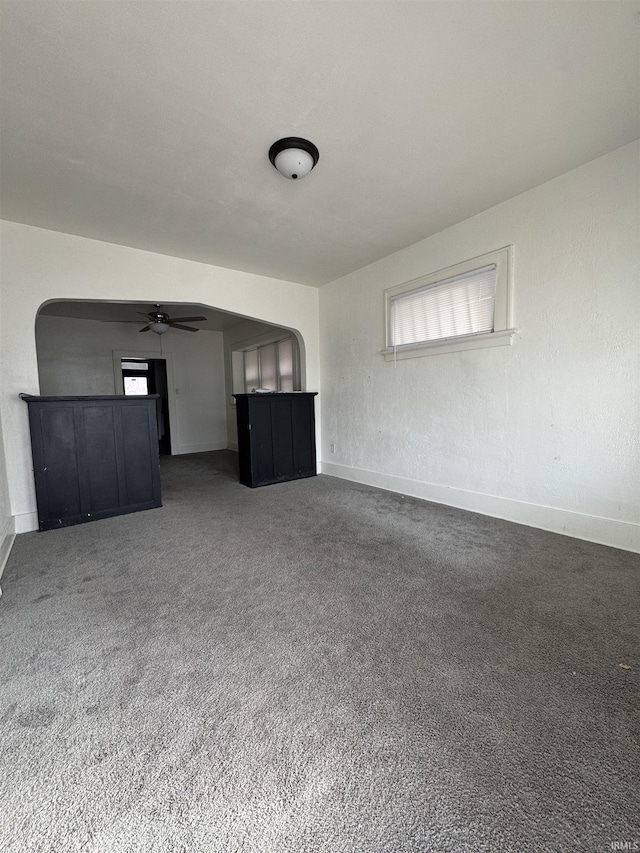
[294,157]
[159,328]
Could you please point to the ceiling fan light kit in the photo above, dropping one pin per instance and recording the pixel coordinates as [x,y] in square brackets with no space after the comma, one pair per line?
[293,156]
[160,322]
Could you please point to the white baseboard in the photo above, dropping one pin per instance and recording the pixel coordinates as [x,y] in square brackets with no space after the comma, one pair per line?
[604,531]
[232,445]
[7,537]
[197,448]
[25,522]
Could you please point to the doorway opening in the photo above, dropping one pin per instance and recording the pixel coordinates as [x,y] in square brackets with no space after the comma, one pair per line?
[229,354]
[144,376]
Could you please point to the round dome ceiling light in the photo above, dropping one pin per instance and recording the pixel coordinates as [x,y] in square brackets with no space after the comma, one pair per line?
[294,157]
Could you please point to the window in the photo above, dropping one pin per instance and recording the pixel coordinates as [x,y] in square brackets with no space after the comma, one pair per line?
[135,376]
[466,306]
[135,365]
[269,366]
[135,385]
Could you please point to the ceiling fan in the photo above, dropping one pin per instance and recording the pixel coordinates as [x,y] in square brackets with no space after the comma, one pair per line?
[160,322]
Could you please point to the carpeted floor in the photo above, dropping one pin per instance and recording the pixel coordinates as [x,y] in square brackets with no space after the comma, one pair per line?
[315,666]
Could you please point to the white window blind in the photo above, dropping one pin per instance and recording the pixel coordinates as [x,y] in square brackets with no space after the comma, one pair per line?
[251,370]
[285,364]
[460,305]
[269,366]
[135,365]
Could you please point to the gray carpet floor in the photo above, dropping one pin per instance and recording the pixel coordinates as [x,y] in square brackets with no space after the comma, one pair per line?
[315,666]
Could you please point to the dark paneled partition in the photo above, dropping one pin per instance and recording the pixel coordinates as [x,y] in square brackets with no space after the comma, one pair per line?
[93,457]
[276,437]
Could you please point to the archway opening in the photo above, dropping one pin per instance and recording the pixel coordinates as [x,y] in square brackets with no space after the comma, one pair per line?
[83,345]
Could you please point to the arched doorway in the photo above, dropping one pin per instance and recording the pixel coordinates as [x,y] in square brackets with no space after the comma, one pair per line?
[91,347]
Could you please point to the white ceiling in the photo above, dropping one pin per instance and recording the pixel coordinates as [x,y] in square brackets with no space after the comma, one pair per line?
[148,123]
[130,312]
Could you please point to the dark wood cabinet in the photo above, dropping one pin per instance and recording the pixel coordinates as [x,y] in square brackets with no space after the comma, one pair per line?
[276,437]
[93,457]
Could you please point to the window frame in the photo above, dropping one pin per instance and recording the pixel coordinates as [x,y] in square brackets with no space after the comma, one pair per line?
[502,333]
[236,360]
[257,348]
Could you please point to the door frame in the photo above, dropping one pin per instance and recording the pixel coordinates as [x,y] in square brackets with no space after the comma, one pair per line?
[120,354]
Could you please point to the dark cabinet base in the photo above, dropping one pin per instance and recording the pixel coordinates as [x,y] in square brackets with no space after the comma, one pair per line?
[93,457]
[276,437]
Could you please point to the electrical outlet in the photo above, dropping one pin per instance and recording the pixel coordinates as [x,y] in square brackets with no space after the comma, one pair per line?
[333,448]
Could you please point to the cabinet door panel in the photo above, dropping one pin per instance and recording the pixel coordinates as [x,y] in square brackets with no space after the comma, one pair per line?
[59,463]
[303,439]
[102,468]
[138,455]
[261,441]
[282,438]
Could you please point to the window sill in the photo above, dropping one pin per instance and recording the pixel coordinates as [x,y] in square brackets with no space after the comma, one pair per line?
[490,339]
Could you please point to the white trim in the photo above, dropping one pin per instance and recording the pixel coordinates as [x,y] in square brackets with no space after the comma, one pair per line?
[591,528]
[25,522]
[232,445]
[466,342]
[502,310]
[197,448]
[7,538]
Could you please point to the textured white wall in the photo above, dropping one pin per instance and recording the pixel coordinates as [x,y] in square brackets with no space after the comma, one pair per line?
[39,266]
[6,521]
[550,423]
[5,512]
[76,357]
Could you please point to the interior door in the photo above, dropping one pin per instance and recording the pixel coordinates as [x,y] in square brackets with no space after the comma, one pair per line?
[158,371]
[149,376]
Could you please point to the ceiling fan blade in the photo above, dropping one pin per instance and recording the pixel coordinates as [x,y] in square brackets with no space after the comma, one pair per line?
[185,328]
[144,315]
[186,319]
[146,329]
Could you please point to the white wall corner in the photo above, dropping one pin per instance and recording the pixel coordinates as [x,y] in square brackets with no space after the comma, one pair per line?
[25,522]
[198,448]
[7,538]
[603,531]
